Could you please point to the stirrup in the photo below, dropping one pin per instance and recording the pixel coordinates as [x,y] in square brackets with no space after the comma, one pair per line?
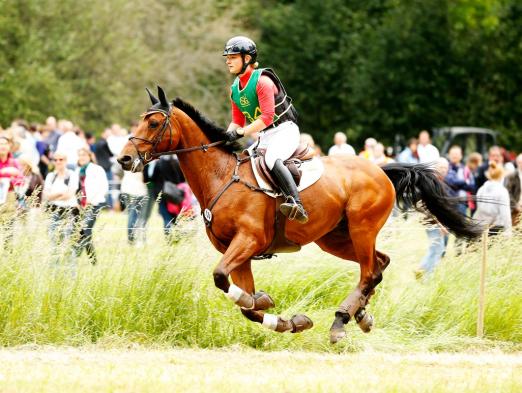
[294,210]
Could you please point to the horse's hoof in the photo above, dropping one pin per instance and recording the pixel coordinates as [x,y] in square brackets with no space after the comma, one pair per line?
[300,322]
[263,301]
[364,320]
[337,335]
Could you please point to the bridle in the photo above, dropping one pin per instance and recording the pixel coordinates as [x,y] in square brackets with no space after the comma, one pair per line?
[148,156]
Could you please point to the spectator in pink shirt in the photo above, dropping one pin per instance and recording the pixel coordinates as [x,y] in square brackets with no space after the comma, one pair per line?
[10,176]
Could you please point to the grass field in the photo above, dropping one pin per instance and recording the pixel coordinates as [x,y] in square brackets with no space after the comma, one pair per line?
[160,297]
[240,370]
[164,294]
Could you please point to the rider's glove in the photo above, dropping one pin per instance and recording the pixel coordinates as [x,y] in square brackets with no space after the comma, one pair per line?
[232,136]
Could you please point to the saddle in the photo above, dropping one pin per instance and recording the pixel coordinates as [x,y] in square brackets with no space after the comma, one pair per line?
[302,153]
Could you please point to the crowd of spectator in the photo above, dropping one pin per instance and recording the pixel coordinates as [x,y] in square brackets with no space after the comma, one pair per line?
[73,176]
[489,190]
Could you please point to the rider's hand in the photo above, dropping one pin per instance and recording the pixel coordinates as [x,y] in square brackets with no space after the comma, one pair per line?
[232,136]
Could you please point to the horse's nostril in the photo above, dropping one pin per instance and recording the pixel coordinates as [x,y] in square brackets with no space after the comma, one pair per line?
[125,160]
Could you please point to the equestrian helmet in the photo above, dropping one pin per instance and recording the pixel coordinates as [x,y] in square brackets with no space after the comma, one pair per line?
[242,45]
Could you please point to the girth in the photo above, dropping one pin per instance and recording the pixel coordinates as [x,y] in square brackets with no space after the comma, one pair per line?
[279,242]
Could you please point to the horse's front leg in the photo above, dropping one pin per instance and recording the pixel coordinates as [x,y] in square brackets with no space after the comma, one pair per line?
[242,291]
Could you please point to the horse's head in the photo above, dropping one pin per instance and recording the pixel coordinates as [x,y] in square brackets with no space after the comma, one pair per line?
[155,134]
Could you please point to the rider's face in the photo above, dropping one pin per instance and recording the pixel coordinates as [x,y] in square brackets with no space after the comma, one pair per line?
[234,63]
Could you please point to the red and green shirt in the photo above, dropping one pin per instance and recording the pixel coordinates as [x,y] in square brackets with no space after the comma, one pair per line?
[252,97]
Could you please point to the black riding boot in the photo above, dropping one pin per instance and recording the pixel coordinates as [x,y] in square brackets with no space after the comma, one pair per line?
[292,207]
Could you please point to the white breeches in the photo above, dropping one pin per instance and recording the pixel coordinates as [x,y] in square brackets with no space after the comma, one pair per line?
[280,142]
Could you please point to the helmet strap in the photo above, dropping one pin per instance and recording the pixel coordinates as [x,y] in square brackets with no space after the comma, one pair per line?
[245,64]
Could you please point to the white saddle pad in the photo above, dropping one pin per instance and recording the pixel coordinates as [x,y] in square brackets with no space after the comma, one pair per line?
[311,172]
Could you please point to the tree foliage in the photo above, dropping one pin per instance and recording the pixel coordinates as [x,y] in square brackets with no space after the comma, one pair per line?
[368,67]
[90,61]
[378,68]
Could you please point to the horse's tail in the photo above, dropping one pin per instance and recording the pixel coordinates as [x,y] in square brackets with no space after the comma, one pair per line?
[416,183]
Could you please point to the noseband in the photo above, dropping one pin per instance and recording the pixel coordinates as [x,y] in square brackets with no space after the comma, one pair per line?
[148,156]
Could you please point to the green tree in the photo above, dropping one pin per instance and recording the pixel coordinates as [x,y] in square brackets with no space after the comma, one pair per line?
[90,61]
[378,68]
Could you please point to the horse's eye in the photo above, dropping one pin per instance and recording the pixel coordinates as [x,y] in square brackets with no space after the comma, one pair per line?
[153,124]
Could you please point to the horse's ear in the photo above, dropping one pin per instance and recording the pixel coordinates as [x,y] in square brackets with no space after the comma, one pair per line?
[163,98]
[153,99]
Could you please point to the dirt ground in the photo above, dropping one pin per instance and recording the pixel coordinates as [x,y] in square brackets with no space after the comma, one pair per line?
[63,369]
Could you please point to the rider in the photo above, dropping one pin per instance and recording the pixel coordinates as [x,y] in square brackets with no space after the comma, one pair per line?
[257,95]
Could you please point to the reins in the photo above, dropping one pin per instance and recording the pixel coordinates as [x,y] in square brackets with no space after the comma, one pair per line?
[203,147]
[147,156]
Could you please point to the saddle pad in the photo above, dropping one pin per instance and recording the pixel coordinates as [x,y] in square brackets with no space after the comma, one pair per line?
[311,172]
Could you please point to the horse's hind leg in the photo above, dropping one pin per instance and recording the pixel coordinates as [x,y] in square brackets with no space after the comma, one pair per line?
[363,318]
[372,263]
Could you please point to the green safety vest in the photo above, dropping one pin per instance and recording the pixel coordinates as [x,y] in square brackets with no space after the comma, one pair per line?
[246,98]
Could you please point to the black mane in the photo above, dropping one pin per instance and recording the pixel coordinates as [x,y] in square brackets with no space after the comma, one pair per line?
[209,128]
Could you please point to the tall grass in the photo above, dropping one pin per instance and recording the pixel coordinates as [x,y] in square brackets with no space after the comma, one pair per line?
[163,294]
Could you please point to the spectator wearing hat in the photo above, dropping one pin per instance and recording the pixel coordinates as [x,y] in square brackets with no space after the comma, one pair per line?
[493,208]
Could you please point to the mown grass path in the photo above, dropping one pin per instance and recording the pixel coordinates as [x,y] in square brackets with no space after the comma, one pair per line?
[91,369]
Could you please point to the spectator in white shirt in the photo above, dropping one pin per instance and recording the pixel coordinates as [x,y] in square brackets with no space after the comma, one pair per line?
[340,146]
[493,208]
[70,143]
[426,151]
[60,193]
[93,189]
[117,139]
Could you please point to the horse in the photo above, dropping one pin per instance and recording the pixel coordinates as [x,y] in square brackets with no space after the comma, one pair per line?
[347,208]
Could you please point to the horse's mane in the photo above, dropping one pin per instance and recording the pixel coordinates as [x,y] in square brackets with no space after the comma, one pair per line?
[210,129]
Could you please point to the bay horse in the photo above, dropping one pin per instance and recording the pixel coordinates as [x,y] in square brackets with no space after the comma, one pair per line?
[347,207]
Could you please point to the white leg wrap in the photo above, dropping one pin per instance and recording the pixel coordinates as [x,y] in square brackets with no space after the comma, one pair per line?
[270,321]
[234,293]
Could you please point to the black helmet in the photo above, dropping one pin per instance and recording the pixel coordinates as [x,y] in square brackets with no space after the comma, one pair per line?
[243,45]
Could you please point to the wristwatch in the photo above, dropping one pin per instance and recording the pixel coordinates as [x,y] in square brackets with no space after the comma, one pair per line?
[240,131]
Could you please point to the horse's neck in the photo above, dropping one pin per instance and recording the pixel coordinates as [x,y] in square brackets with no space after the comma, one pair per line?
[205,172]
